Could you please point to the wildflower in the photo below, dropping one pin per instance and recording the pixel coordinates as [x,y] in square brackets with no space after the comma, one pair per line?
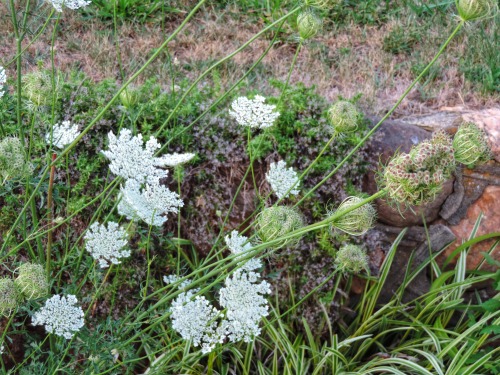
[351,258]
[282,180]
[239,244]
[355,222]
[71,4]
[32,281]
[275,222]
[415,178]
[245,305]
[106,244]
[37,87]
[253,113]
[470,145]
[2,349]
[130,160]
[308,24]
[195,319]
[61,316]
[62,135]
[343,117]
[148,204]
[3,80]
[175,159]
[12,162]
[470,10]
[170,279]
[8,296]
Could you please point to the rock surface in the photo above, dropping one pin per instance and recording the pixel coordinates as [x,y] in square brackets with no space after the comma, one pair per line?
[487,205]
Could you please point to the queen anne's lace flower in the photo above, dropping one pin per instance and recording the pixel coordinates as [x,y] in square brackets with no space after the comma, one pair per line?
[253,113]
[243,299]
[71,4]
[148,204]
[62,134]
[239,244]
[194,317]
[173,160]
[60,316]
[282,179]
[3,79]
[106,244]
[130,160]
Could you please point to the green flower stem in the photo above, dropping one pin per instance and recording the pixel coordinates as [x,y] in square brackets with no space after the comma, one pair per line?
[294,60]
[374,129]
[49,215]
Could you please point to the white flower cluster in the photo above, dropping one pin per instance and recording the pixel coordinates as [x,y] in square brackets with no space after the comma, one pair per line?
[149,203]
[60,316]
[253,113]
[175,159]
[3,79]
[106,244]
[242,298]
[130,160]
[142,196]
[282,179]
[71,4]
[239,244]
[62,134]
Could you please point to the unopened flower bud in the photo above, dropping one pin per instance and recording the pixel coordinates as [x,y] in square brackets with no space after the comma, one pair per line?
[12,162]
[276,222]
[8,296]
[129,97]
[308,24]
[470,145]
[32,281]
[351,258]
[343,117]
[470,10]
[355,222]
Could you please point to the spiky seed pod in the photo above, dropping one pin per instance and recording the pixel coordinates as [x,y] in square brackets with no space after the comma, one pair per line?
[37,87]
[417,177]
[32,281]
[129,97]
[355,222]
[8,296]
[470,10]
[276,222]
[12,163]
[351,259]
[470,145]
[308,24]
[343,117]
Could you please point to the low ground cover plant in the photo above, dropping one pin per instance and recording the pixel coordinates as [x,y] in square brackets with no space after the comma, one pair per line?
[157,228]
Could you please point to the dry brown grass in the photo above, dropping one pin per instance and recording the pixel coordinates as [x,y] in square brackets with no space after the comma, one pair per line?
[342,62]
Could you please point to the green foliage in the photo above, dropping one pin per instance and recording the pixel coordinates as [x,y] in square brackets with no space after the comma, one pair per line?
[401,39]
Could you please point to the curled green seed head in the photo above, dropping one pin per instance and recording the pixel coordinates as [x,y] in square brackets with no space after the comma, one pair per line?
[129,97]
[12,162]
[351,259]
[343,117]
[275,222]
[470,10]
[32,281]
[308,24]
[470,145]
[8,296]
[355,222]
[37,87]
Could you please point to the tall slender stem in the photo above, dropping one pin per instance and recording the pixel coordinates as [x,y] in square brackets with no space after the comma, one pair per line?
[50,204]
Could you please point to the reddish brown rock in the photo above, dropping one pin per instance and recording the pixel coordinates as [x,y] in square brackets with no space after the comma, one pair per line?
[487,204]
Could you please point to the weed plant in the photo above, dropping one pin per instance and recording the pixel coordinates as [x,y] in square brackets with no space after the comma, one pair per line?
[162,228]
